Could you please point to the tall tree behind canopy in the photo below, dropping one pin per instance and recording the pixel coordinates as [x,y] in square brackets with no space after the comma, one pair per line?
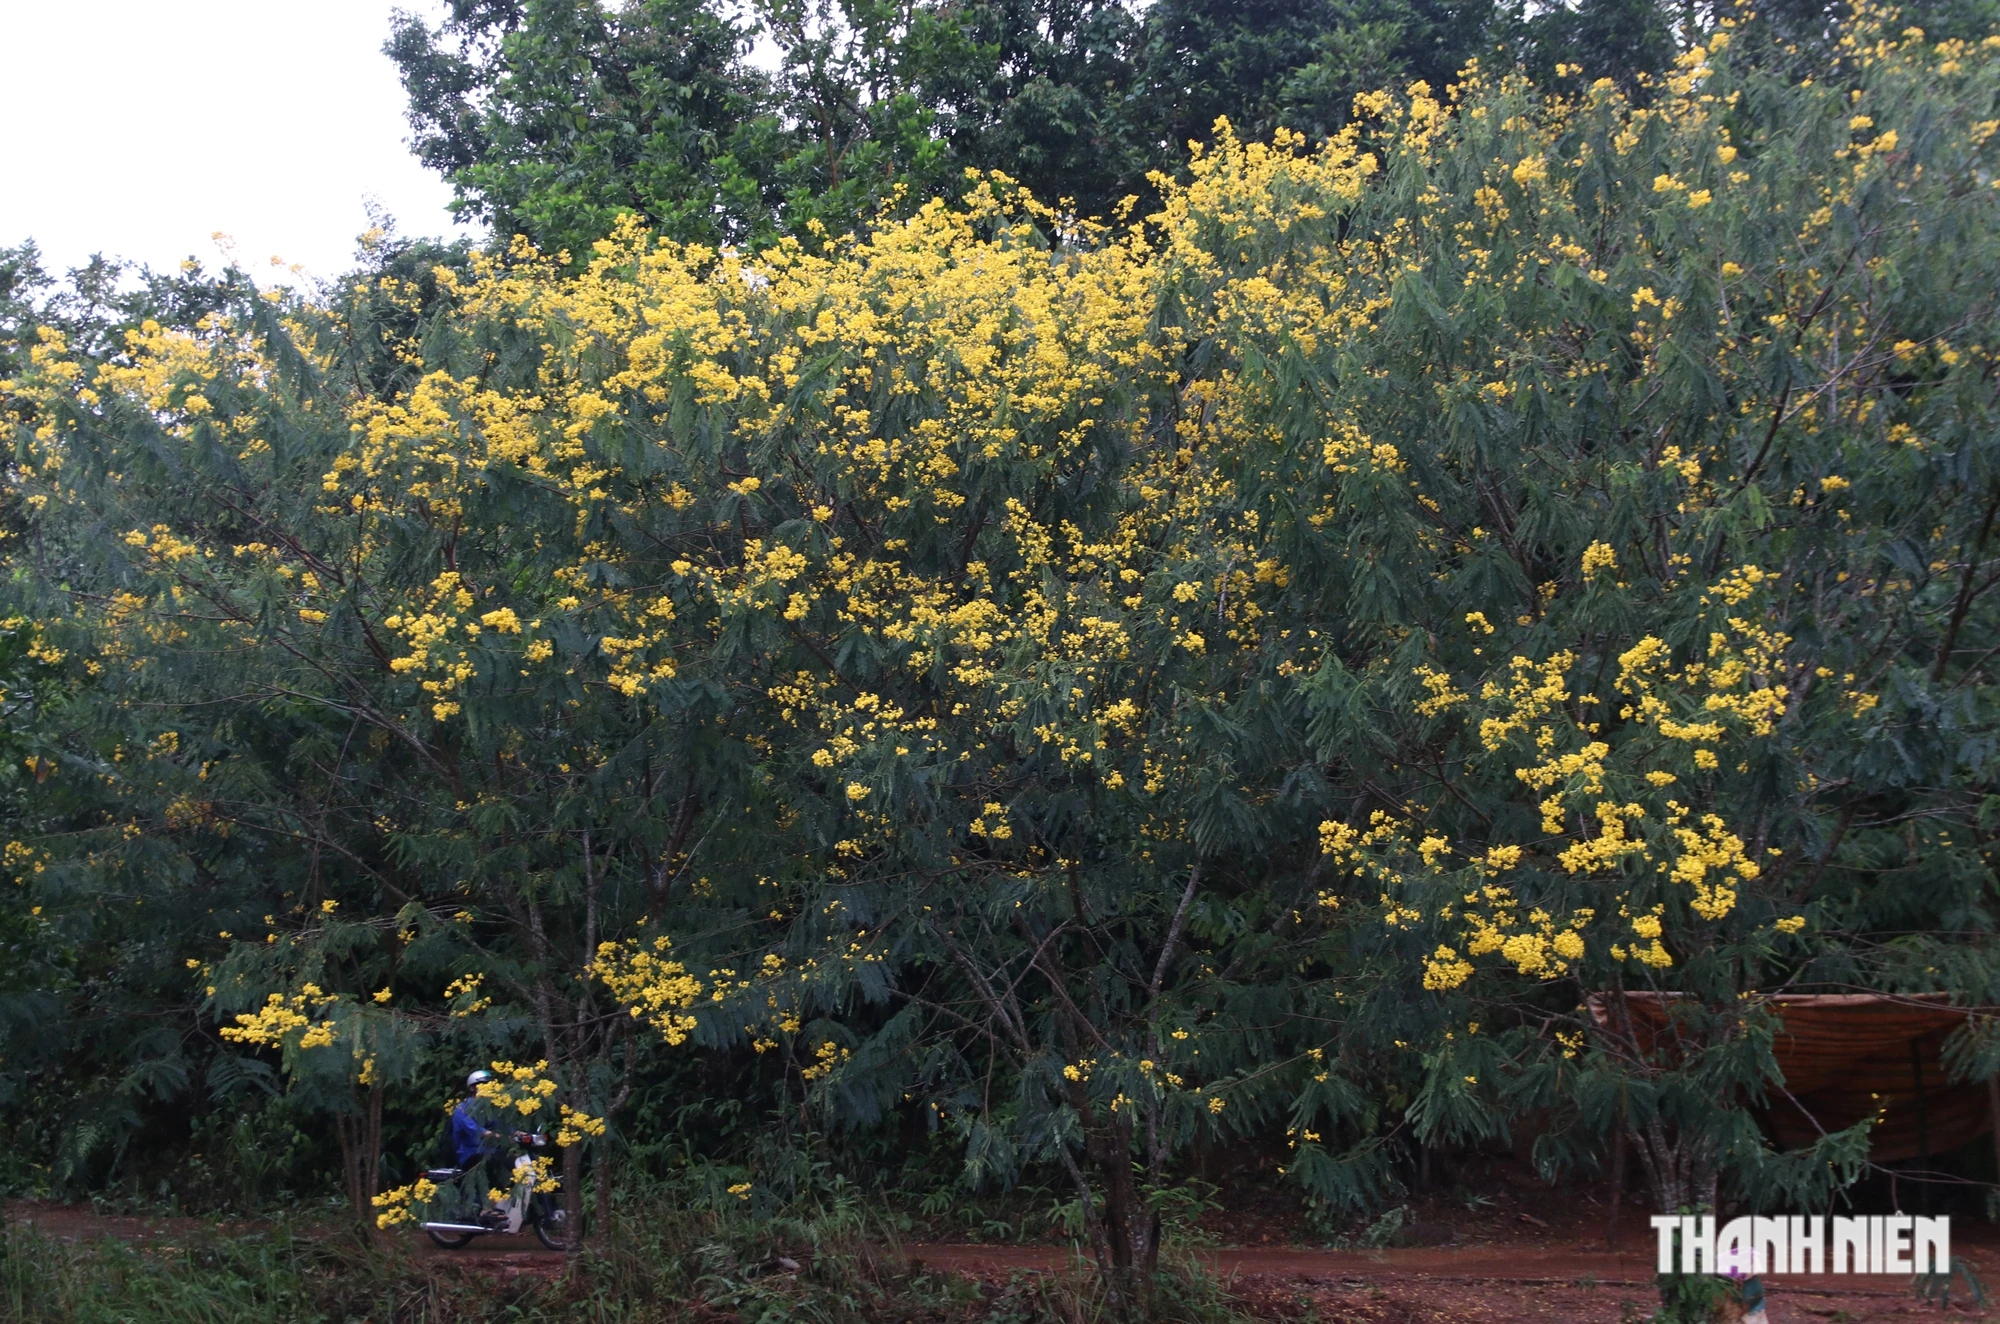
[1270,63]
[1038,88]
[739,124]
[552,117]
[1627,40]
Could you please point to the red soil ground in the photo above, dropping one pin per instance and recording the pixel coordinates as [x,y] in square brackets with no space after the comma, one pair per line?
[1548,1282]
[1510,1267]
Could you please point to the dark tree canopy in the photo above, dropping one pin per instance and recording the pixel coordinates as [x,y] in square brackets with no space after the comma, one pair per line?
[737,124]
[552,117]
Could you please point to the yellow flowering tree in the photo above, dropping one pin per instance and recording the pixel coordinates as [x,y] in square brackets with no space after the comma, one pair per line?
[328,660]
[1655,656]
[341,1053]
[1256,666]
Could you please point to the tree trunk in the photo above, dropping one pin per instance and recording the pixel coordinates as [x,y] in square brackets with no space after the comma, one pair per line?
[1617,1175]
[350,1164]
[572,1194]
[1680,1169]
[1132,1227]
[1093,1218]
[601,1223]
[371,1157]
[360,1135]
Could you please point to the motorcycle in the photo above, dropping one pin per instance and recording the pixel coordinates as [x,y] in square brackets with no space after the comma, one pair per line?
[526,1205]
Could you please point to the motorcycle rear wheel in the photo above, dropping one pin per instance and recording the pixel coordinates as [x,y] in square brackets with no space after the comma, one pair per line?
[450,1240]
[553,1228]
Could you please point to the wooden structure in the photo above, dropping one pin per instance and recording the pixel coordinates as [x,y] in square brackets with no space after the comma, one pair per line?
[1848,1056]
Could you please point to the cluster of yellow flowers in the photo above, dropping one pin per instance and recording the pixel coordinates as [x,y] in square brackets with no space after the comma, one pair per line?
[526,1090]
[656,988]
[521,1089]
[404,1204]
[283,1015]
[1671,725]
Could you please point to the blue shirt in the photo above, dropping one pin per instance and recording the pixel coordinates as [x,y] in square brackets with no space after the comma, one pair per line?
[468,1134]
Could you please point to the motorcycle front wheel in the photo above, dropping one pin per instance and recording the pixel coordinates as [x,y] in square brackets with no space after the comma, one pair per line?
[450,1240]
[552,1226]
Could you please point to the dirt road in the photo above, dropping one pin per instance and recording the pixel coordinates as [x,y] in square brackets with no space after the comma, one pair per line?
[1539,1283]
[1559,1279]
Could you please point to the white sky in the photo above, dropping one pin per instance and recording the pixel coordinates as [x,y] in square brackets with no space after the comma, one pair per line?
[141,127]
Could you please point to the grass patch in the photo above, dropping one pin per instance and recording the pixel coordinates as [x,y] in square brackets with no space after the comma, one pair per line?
[669,1268]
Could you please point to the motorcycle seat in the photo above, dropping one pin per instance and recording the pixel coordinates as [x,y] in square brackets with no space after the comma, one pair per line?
[443,1174]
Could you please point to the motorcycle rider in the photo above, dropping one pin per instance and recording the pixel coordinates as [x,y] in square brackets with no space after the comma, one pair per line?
[481,1151]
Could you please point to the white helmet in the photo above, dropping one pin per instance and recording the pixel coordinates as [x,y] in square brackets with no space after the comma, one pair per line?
[477,1078]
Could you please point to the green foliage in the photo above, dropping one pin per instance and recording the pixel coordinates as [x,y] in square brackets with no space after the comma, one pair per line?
[213,1281]
[810,117]
[671,1261]
[1271,65]
[553,119]
[1689,1298]
[558,117]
